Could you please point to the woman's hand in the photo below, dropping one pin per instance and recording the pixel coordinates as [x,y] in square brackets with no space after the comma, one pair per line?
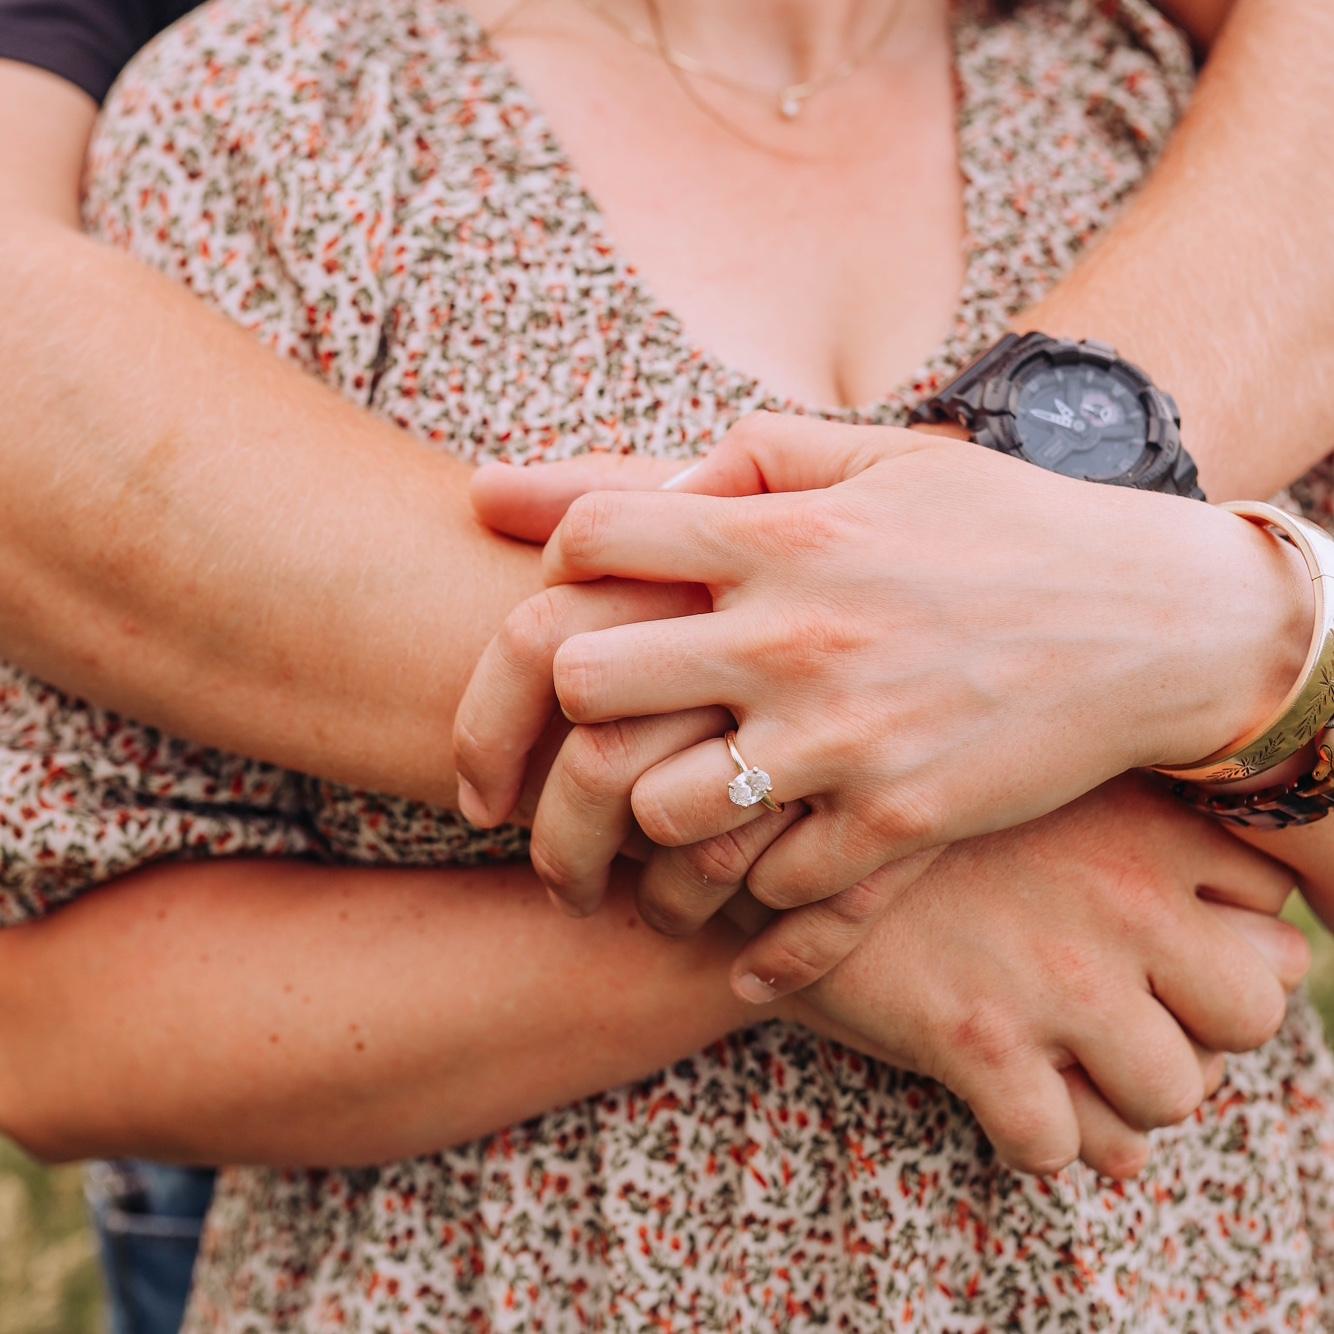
[935,643]
[575,795]
[1073,980]
[512,680]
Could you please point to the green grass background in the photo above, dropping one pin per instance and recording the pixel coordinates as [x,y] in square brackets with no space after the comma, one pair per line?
[48,1274]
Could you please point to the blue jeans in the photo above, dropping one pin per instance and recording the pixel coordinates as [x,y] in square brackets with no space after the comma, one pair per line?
[148,1219]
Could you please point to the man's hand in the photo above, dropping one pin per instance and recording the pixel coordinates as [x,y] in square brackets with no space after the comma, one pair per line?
[1074,980]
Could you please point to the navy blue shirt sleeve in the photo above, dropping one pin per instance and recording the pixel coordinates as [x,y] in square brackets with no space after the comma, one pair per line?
[87,42]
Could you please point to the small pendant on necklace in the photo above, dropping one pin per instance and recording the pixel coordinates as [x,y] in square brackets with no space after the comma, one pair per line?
[790,103]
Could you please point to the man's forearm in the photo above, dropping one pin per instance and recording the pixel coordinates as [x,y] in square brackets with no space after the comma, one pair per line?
[1217,281]
[1217,278]
[334,1016]
[205,538]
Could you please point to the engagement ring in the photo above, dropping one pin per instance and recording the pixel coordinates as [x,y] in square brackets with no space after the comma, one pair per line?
[751,786]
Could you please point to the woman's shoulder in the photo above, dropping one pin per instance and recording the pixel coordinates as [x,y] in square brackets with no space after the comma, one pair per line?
[241,60]
[255,151]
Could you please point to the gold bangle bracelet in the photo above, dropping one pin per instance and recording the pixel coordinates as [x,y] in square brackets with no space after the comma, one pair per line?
[1309,705]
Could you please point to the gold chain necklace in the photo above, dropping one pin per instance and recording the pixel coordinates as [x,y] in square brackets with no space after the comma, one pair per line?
[790,99]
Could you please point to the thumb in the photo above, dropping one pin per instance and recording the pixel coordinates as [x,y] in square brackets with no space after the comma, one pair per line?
[529,502]
[769,452]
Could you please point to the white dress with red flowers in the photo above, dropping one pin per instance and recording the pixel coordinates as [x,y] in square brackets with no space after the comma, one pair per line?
[366,186]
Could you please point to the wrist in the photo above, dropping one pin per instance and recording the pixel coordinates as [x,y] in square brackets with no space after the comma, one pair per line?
[1247,612]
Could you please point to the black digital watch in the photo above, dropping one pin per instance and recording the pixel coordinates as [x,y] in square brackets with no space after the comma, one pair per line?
[1074,408]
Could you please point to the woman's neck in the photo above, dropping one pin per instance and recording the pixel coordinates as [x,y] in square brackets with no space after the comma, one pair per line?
[767,41]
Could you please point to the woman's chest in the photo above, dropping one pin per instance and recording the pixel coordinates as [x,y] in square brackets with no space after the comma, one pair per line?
[560,276]
[823,255]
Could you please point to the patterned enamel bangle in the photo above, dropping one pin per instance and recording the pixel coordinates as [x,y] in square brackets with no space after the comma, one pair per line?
[1309,705]
[1303,801]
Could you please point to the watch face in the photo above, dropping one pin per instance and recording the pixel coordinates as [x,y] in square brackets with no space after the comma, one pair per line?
[1081,420]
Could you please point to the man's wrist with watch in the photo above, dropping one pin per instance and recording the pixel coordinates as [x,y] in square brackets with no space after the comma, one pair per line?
[1072,407]
[1078,409]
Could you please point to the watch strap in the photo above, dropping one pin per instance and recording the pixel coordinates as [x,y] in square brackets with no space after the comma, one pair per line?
[1184,479]
[960,399]
[1308,799]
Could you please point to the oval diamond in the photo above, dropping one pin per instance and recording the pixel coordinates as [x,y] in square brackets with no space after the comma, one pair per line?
[749,787]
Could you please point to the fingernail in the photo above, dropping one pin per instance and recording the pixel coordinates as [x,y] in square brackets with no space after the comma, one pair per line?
[680,478]
[755,989]
[568,908]
[470,803]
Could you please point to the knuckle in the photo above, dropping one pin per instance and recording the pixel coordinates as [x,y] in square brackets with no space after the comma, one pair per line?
[1181,1101]
[812,643]
[779,892]
[584,528]
[471,755]
[665,913]
[659,823]
[857,906]
[1141,897]
[532,632]
[1040,1161]
[1076,972]
[794,963]
[751,435]
[551,868]
[721,860]
[763,642]
[1027,1142]
[1260,1017]
[906,822]
[1125,1161]
[841,739]
[598,760]
[796,528]
[1173,1087]
[809,526]
[988,1035]
[580,677]
[613,745]
[1214,1072]
[750,430]
[1297,959]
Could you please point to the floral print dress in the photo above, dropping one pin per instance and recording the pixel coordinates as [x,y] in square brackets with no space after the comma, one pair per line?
[365,185]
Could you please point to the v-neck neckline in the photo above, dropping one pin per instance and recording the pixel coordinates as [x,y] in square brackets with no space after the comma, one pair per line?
[967,333]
